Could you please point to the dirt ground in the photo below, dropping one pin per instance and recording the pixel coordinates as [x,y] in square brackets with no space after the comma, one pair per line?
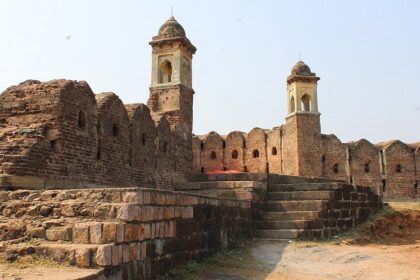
[387,247]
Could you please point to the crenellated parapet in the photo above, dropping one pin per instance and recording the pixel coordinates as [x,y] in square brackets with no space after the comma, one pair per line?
[389,168]
[60,133]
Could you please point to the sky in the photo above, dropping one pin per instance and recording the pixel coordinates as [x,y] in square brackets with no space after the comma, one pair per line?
[367,54]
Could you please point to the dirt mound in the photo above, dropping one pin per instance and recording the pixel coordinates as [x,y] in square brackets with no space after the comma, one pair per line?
[399,227]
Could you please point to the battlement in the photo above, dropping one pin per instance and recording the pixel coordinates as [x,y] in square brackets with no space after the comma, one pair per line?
[60,133]
[389,168]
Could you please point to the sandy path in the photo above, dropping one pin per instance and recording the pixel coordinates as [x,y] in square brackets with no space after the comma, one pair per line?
[298,261]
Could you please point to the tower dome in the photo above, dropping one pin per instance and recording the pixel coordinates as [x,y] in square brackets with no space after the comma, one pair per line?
[171,28]
[302,69]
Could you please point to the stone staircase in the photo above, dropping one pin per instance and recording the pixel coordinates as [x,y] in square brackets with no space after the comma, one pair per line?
[295,209]
[292,207]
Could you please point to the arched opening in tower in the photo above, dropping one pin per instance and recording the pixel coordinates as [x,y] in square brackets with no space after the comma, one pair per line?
[305,103]
[165,72]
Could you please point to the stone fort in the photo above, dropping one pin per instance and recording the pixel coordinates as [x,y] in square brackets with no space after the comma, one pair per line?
[139,193]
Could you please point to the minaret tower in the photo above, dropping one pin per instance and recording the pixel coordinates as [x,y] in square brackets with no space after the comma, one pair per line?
[171,92]
[302,154]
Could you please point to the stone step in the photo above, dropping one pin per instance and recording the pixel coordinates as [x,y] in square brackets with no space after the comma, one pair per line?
[295,224]
[290,215]
[288,179]
[278,233]
[296,205]
[301,195]
[292,234]
[304,187]
[220,185]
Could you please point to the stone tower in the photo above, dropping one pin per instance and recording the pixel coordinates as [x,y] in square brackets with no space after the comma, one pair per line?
[302,153]
[171,92]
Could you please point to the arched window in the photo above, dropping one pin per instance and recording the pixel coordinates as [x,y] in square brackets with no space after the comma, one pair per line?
[115,130]
[335,168]
[274,151]
[213,155]
[367,167]
[143,139]
[292,104]
[165,75]
[235,154]
[255,153]
[398,168]
[81,120]
[306,103]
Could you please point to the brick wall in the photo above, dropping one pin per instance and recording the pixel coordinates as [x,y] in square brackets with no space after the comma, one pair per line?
[274,151]
[399,169]
[256,151]
[142,157]
[60,134]
[213,152]
[235,151]
[334,158]
[364,164]
[113,150]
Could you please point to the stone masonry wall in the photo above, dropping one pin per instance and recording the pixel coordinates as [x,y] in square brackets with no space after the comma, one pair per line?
[131,233]
[58,134]
[364,164]
[334,158]
[338,161]
[235,151]
[399,170]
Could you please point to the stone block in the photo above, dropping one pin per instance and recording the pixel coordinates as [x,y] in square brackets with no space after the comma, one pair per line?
[131,233]
[125,253]
[95,233]
[36,232]
[83,257]
[81,233]
[59,233]
[116,251]
[104,255]
[129,212]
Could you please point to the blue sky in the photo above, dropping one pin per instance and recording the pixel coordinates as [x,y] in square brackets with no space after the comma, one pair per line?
[367,54]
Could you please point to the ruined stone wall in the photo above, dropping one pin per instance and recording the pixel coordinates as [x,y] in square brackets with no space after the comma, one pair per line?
[142,156]
[274,151]
[133,233]
[256,151]
[290,147]
[113,149]
[213,152]
[338,161]
[364,165]
[235,151]
[196,152]
[399,169]
[334,158]
[59,134]
[48,130]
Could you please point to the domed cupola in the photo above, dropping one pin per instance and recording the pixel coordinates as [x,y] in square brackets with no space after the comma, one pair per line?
[171,28]
[301,72]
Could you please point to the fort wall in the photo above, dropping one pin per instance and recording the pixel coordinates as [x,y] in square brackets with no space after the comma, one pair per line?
[359,163]
[60,133]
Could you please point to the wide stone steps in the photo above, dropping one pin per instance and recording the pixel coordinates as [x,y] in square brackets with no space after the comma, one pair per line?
[296,205]
[295,224]
[328,186]
[301,195]
[291,234]
[290,215]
